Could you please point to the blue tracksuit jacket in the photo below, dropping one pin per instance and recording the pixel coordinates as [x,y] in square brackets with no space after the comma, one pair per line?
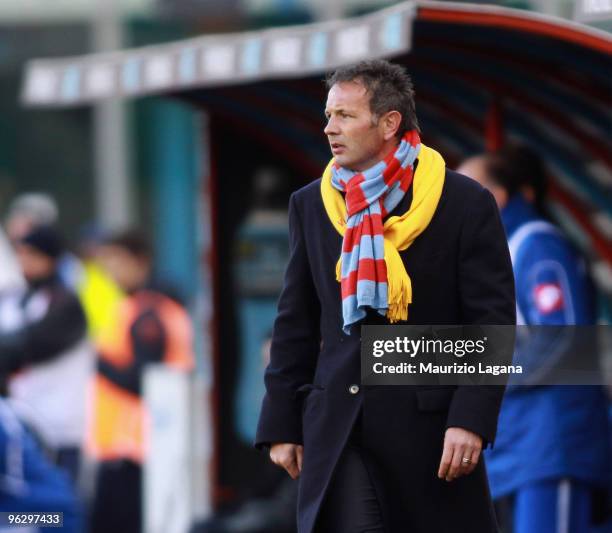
[548,432]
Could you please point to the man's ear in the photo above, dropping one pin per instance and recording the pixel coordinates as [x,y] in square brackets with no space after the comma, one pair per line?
[528,193]
[391,122]
[501,196]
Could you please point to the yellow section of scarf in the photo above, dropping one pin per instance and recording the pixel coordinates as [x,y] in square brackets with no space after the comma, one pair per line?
[399,232]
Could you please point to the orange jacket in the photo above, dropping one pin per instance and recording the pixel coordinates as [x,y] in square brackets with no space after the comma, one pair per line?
[119,419]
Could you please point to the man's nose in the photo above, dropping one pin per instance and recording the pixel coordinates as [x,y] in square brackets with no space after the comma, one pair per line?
[331,128]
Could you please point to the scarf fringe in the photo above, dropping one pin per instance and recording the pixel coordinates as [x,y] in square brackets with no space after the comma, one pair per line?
[399,285]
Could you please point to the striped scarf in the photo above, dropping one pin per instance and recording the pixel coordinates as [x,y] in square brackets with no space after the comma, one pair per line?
[370,195]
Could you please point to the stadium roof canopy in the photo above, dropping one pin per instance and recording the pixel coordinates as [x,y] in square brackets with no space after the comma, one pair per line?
[481,73]
[295,51]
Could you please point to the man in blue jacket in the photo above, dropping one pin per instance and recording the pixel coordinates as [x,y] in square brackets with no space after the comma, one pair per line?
[552,448]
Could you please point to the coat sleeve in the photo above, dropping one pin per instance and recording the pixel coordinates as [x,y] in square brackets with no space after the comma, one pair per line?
[148,340]
[295,345]
[486,284]
[60,328]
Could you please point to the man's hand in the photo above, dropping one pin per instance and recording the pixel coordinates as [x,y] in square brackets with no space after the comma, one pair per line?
[458,444]
[289,457]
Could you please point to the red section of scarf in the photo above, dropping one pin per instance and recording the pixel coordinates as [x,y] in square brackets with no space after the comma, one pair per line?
[370,225]
[369,270]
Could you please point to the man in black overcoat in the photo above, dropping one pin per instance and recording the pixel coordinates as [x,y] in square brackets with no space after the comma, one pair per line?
[396,459]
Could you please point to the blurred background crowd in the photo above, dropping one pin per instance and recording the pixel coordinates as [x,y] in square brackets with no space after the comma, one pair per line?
[144,241]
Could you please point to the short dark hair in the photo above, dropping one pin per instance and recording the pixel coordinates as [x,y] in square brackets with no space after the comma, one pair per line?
[389,86]
[132,241]
[515,166]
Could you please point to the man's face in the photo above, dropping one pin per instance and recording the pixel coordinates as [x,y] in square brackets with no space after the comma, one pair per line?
[127,270]
[476,168]
[356,137]
[34,264]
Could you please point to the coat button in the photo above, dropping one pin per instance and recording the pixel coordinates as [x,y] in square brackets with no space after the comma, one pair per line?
[354,389]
